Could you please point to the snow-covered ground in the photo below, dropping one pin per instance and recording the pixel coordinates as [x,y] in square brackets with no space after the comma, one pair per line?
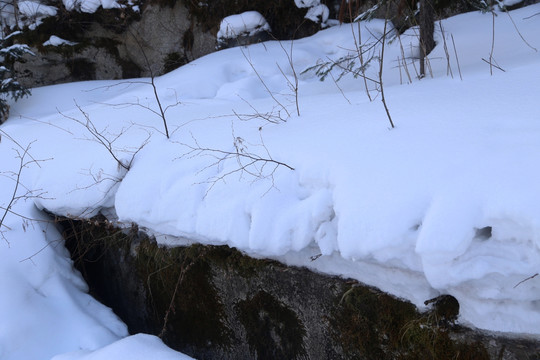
[402,209]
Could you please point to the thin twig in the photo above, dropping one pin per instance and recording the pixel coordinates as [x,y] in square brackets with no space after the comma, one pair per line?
[522,281]
[492,40]
[381,68]
[294,87]
[359,52]
[341,90]
[457,58]
[493,65]
[447,54]
[533,15]
[519,33]
[404,60]
[19,145]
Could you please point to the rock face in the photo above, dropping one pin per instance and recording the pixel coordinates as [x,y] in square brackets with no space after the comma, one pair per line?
[114,44]
[161,35]
[123,43]
[216,303]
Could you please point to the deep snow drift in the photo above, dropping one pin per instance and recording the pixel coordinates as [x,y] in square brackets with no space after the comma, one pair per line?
[448,202]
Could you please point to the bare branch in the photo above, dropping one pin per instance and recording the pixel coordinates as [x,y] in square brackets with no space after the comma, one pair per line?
[249,163]
[519,33]
[98,135]
[106,139]
[24,149]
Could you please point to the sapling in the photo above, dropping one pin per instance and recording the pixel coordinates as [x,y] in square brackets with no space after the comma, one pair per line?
[292,86]
[9,85]
[250,62]
[20,191]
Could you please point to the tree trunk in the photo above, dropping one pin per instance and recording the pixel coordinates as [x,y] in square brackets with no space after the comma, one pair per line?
[426,21]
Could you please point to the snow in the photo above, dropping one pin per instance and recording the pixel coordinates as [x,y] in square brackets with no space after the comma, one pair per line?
[36,9]
[29,13]
[57,41]
[135,347]
[399,209]
[44,306]
[318,13]
[248,23]
[89,6]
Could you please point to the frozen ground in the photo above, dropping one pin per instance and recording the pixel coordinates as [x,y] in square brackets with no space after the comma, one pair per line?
[448,202]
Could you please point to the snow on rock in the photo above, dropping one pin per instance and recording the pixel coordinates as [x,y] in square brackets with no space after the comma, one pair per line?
[248,23]
[89,6]
[318,13]
[57,41]
[30,13]
[34,9]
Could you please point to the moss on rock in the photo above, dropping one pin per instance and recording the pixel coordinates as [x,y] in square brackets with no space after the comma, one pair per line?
[273,330]
[372,325]
[181,295]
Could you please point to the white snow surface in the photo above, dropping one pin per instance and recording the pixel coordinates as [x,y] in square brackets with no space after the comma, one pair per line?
[247,23]
[135,347]
[394,208]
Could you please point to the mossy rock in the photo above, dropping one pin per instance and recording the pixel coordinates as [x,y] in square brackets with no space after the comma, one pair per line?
[213,302]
